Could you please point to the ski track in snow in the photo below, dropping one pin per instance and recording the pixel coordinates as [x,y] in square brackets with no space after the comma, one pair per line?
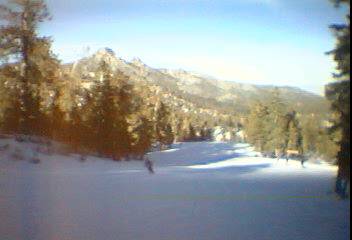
[205,191]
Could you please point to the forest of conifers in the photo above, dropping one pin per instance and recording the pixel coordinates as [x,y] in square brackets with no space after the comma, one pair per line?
[115,119]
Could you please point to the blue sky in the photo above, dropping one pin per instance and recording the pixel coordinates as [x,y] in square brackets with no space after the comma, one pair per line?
[280,42]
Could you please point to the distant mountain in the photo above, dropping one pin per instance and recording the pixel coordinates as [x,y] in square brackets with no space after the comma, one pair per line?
[193,90]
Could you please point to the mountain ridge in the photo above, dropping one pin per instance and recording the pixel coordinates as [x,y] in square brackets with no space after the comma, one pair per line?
[194,85]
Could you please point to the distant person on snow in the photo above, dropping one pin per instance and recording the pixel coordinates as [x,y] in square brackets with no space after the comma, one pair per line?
[302,161]
[149,165]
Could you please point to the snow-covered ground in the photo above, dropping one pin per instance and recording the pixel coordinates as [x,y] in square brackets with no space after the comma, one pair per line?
[205,191]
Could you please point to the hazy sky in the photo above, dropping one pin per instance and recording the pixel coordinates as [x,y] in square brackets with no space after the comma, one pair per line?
[279,42]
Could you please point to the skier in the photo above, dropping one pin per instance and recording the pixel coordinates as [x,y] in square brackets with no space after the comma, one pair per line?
[302,161]
[149,165]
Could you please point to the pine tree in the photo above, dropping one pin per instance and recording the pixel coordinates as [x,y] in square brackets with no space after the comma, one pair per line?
[169,135]
[277,124]
[270,128]
[78,132]
[338,93]
[102,118]
[318,139]
[8,85]
[205,132]
[295,140]
[57,118]
[163,130]
[125,108]
[310,132]
[256,126]
[12,114]
[192,136]
[19,41]
[179,135]
[325,145]
[143,134]
[108,116]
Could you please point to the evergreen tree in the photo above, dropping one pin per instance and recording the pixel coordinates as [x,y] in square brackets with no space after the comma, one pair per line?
[12,114]
[179,134]
[169,135]
[78,135]
[143,135]
[206,133]
[310,132]
[57,118]
[277,124]
[102,119]
[125,108]
[317,139]
[256,126]
[338,93]
[19,41]
[192,136]
[295,140]
[108,117]
[163,129]
[326,146]
[270,128]
[8,91]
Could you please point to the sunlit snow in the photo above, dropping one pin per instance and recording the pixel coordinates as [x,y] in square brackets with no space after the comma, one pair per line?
[205,191]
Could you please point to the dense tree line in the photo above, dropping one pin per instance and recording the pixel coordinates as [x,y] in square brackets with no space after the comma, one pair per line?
[272,127]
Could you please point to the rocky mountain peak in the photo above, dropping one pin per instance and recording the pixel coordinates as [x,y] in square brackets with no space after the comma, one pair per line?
[106,51]
[105,54]
[138,62]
